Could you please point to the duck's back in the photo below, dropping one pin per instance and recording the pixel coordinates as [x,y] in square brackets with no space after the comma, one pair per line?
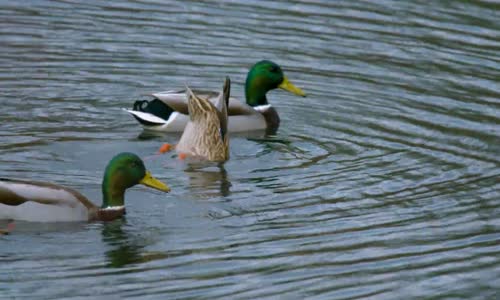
[41,202]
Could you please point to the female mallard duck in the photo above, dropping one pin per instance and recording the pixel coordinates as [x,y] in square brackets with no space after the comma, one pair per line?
[168,111]
[205,135]
[47,202]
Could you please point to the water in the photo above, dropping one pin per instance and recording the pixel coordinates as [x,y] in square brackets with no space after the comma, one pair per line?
[382,184]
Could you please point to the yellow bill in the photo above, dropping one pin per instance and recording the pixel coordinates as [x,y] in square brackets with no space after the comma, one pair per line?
[288,86]
[154,183]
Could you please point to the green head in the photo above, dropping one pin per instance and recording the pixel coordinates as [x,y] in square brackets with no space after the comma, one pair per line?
[263,77]
[124,171]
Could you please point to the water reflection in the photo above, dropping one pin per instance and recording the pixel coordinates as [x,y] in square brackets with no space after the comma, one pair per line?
[271,143]
[126,247]
[387,174]
[209,178]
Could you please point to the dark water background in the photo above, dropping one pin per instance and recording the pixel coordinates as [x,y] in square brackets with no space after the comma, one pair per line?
[383,184]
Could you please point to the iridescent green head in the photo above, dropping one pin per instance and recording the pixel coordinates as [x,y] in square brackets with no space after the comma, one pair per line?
[263,77]
[124,171]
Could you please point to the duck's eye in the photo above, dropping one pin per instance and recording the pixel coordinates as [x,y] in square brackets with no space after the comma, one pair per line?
[273,69]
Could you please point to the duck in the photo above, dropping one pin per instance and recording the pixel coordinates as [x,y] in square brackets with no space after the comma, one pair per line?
[168,111]
[205,136]
[37,201]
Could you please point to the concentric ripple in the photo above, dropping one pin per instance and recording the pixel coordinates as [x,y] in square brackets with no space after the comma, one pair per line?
[382,184]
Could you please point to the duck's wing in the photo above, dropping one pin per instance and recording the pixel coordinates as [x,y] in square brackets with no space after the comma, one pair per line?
[178,101]
[42,202]
[15,192]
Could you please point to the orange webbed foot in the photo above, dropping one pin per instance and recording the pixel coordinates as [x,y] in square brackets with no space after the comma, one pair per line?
[165,148]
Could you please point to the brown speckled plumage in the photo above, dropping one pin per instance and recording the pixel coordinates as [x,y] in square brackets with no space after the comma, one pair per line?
[205,135]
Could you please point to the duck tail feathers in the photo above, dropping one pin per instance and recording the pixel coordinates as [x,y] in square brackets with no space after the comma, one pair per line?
[150,113]
[155,107]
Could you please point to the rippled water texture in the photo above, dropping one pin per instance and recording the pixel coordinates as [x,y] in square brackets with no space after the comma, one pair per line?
[382,184]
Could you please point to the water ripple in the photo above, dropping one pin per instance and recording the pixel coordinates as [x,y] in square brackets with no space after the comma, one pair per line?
[383,182]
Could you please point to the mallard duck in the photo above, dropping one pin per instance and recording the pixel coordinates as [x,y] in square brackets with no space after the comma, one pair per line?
[205,135]
[168,111]
[47,202]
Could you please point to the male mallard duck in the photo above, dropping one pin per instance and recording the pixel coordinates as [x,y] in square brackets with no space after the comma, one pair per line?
[47,202]
[205,135]
[168,111]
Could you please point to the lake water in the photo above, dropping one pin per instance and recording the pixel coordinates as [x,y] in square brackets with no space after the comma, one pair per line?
[384,183]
